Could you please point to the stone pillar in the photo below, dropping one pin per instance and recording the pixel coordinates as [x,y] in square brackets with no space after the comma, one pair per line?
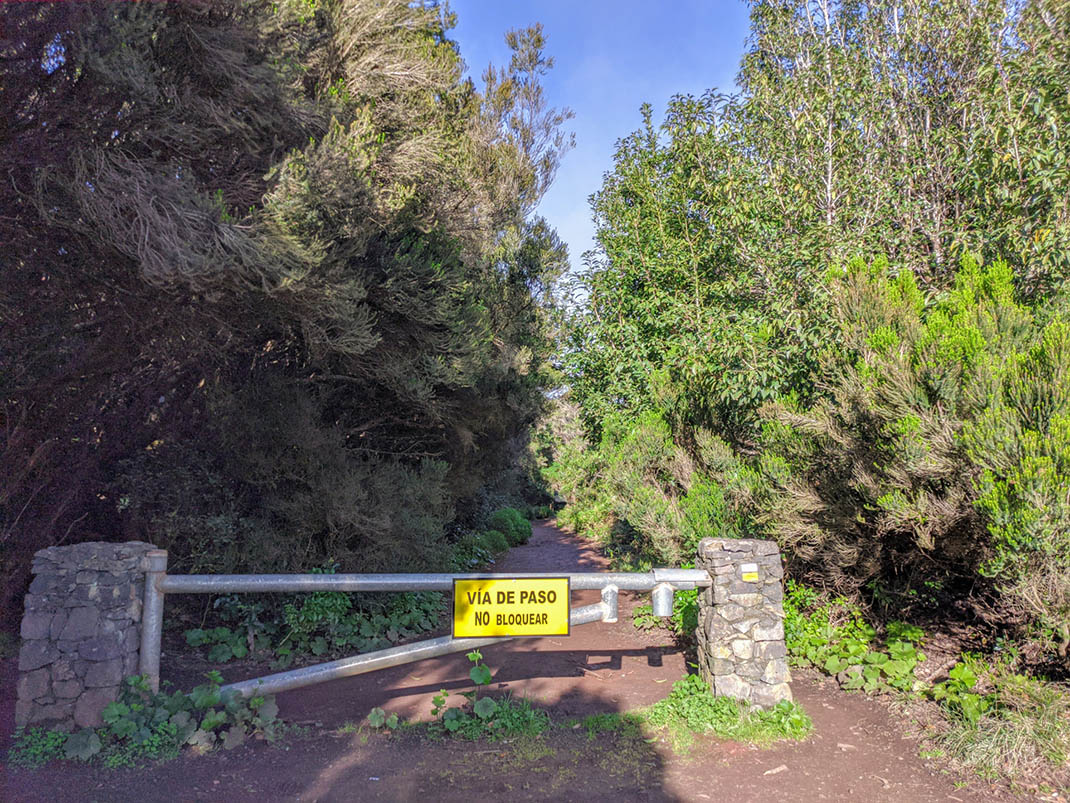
[741,621]
[80,632]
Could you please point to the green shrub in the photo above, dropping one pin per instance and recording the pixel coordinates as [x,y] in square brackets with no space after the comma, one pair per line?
[470,552]
[937,450]
[495,541]
[512,523]
[646,497]
[536,512]
[1022,443]
[943,440]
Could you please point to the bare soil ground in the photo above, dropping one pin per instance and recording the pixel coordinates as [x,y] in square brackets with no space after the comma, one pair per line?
[856,752]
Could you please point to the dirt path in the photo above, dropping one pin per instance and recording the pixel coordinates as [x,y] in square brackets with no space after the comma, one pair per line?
[855,753]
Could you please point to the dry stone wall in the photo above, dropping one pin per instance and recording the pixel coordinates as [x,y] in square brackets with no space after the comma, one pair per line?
[80,632]
[741,646]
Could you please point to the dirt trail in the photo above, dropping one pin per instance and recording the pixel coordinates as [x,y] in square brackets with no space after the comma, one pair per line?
[855,753]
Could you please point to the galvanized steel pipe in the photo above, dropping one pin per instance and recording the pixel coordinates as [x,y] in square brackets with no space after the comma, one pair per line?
[152,617]
[680,579]
[609,599]
[394,656]
[661,599]
[158,583]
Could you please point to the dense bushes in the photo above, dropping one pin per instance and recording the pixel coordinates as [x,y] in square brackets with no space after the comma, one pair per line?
[936,453]
[316,323]
[641,493]
[938,445]
[898,425]
[512,524]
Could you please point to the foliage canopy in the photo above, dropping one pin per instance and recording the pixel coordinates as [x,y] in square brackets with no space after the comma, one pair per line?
[272,291]
[832,310]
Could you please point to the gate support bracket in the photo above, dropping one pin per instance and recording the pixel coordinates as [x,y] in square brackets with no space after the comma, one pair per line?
[609,602]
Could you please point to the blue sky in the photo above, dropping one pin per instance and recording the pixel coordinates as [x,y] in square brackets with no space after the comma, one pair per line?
[610,57]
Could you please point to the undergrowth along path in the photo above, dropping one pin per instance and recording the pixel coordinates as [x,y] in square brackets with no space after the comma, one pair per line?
[856,752]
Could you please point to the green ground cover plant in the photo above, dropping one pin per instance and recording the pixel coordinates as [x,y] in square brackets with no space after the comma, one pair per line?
[316,624]
[691,708]
[832,635]
[483,717]
[142,726]
[993,720]
[35,747]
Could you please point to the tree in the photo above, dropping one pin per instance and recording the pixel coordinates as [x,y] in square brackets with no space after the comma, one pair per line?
[265,291]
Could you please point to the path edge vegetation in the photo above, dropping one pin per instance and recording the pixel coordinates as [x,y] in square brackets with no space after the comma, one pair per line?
[306,319]
[821,312]
[689,711]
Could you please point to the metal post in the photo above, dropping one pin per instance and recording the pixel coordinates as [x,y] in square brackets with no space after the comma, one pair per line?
[152,617]
[609,600]
[661,599]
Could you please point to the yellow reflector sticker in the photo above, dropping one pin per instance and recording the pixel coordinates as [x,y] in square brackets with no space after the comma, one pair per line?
[510,606]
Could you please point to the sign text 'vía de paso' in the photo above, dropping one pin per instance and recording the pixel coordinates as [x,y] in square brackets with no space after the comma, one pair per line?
[510,606]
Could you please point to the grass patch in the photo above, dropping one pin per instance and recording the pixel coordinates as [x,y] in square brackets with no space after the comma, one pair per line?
[628,724]
[1023,734]
[691,709]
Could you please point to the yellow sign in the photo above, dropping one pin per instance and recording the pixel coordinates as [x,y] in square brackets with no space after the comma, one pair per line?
[510,606]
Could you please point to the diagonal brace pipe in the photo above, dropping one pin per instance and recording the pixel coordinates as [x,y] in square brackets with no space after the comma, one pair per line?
[397,656]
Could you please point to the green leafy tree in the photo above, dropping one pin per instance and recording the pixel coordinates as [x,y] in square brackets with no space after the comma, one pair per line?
[742,362]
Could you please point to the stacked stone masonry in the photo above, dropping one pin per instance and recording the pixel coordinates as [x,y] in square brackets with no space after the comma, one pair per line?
[741,646]
[80,632]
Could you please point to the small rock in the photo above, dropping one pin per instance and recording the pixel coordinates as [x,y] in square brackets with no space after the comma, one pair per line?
[82,623]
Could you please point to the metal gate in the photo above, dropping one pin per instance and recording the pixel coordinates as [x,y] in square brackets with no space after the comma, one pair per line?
[661,583]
